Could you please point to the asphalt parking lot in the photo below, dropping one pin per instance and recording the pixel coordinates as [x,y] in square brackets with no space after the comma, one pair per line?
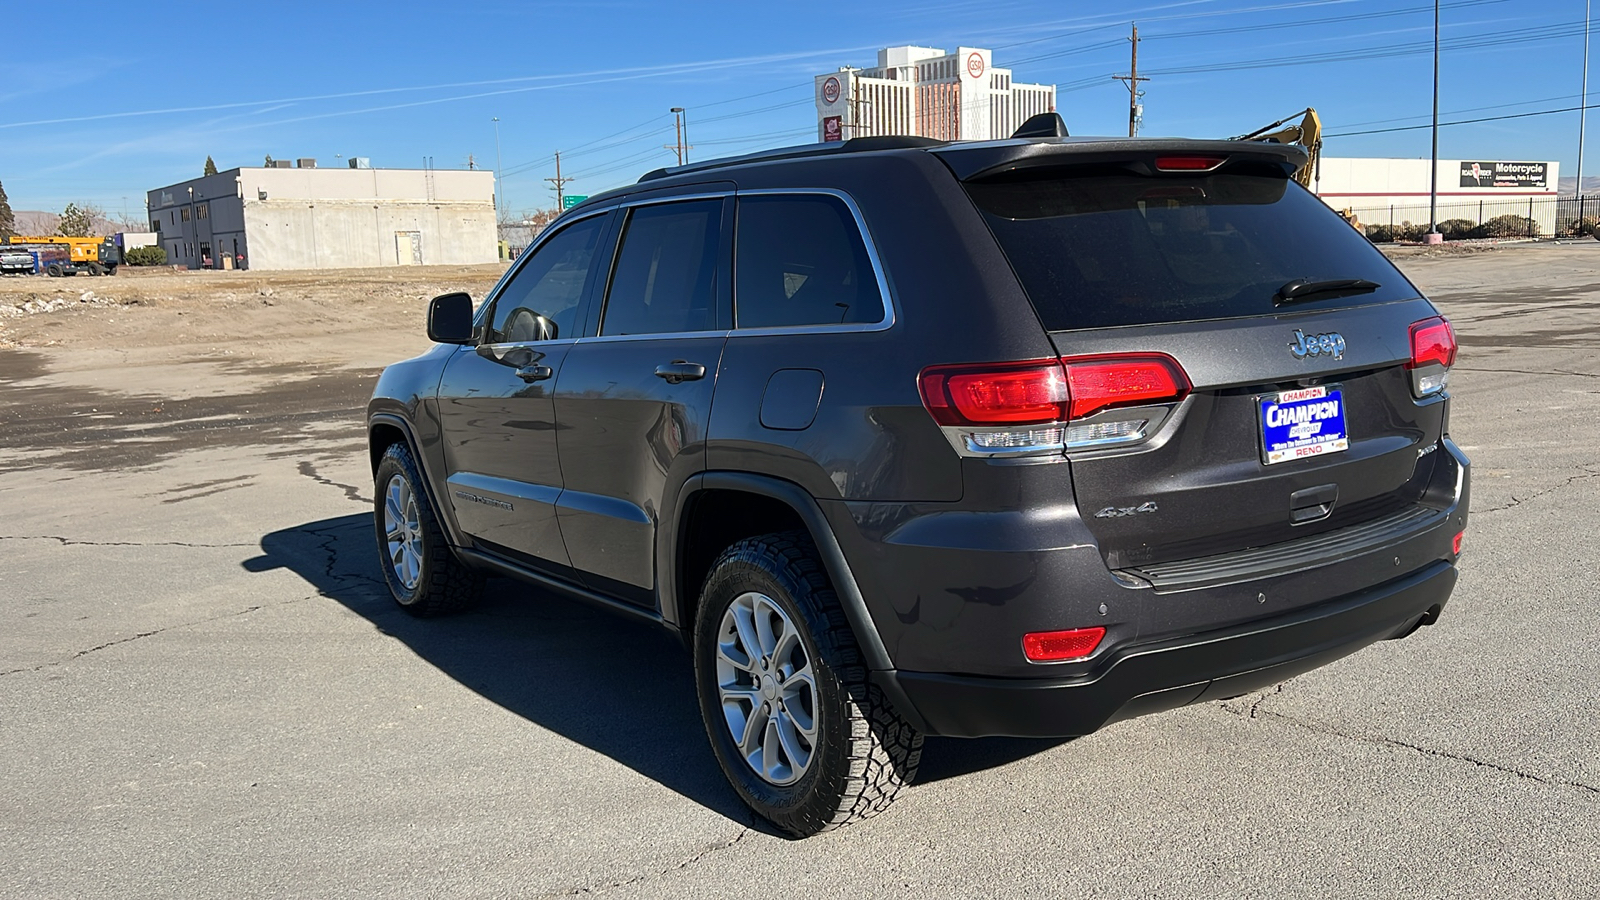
[205,691]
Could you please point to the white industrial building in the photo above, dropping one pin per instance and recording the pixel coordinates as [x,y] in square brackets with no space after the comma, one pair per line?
[927,92]
[1385,191]
[310,218]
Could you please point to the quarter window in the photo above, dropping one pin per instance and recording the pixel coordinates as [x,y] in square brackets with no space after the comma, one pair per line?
[665,279]
[800,260]
[549,285]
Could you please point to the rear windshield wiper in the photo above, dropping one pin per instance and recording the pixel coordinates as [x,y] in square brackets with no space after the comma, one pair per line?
[1303,289]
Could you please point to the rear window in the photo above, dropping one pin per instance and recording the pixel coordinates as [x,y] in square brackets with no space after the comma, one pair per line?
[1102,249]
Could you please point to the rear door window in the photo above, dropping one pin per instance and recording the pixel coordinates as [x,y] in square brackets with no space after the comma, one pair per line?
[666,272]
[1107,248]
[800,260]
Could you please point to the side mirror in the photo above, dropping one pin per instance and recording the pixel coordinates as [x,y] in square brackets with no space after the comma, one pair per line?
[450,319]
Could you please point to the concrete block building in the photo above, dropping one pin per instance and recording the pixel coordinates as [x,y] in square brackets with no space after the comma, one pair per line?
[1385,191]
[927,92]
[310,218]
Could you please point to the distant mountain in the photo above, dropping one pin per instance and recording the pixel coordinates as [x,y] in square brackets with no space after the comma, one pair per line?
[34,222]
[1591,186]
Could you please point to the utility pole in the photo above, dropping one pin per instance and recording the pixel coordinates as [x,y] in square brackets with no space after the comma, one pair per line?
[560,183]
[1132,80]
[1583,106]
[857,118]
[1434,237]
[677,146]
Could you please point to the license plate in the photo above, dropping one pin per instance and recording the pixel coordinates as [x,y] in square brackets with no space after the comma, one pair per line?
[1302,423]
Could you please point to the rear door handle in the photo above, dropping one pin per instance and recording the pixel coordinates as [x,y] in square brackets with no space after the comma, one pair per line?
[679,371]
[531,374]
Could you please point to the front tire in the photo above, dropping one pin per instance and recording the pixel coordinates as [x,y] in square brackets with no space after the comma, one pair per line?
[805,739]
[423,573]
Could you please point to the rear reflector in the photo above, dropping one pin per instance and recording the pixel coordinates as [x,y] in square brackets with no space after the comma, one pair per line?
[1097,383]
[1025,393]
[1455,545]
[1057,646]
[1188,163]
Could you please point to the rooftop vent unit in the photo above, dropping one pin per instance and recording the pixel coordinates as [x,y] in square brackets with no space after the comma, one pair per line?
[282,164]
[360,162]
[305,163]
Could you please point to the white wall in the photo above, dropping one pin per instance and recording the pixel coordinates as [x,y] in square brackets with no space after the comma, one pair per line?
[295,234]
[1379,190]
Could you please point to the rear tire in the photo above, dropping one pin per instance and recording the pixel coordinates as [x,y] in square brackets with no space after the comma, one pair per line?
[54,271]
[802,735]
[423,573]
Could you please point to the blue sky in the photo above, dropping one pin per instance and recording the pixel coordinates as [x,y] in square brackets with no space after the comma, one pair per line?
[141,105]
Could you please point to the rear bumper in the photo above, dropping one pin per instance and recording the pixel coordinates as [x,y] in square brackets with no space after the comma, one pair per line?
[1140,679]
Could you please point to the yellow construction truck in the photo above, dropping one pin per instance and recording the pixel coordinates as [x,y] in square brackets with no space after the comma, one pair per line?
[94,255]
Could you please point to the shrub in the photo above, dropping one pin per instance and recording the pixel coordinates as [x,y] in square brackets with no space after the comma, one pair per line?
[1581,227]
[1507,226]
[145,256]
[1457,229]
[1379,234]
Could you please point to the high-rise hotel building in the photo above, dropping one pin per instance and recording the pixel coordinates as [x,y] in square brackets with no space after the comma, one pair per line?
[927,92]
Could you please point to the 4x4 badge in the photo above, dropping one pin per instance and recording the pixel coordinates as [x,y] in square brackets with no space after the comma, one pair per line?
[1118,512]
[1330,344]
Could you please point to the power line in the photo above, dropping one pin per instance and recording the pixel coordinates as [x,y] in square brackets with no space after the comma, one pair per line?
[1542,112]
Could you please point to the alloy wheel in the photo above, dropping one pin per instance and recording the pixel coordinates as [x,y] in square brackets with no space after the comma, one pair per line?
[402,526]
[767,688]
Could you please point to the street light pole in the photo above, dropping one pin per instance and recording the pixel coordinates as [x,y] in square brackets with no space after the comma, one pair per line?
[499,193]
[1583,104]
[1434,237]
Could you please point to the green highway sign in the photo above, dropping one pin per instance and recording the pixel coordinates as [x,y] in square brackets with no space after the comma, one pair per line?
[568,201]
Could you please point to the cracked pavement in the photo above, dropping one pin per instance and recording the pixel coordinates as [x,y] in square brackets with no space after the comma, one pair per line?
[204,690]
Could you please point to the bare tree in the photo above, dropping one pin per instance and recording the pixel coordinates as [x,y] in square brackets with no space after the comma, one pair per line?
[80,221]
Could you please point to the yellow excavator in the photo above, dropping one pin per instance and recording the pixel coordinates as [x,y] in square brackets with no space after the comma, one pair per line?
[1307,135]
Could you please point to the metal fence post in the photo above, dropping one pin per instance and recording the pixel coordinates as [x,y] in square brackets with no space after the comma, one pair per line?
[1530,217]
[1480,211]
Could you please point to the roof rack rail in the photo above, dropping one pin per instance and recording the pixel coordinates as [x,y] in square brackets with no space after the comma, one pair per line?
[854,145]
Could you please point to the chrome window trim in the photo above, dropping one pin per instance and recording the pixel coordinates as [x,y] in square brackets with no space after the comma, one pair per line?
[890,309]
[675,198]
[489,300]
[652,336]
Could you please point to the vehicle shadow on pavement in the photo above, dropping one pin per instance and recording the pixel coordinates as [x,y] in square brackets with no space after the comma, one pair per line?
[619,687]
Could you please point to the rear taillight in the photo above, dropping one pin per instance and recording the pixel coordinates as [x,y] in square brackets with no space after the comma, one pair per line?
[1033,392]
[1033,408]
[1097,383]
[1060,646]
[1433,352]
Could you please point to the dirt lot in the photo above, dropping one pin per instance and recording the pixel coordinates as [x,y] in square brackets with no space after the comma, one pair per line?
[265,317]
[153,362]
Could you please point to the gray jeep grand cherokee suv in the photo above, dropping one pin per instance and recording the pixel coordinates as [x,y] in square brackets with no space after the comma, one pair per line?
[905,437]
